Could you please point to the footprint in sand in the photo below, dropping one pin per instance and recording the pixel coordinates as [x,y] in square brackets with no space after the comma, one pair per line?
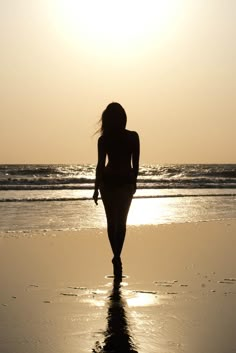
[144,292]
[69,294]
[226,282]
[165,283]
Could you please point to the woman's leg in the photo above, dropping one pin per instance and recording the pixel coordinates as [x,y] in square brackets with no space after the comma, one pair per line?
[108,197]
[117,203]
[123,204]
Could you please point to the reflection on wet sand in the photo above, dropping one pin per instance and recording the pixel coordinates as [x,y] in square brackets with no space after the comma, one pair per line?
[117,337]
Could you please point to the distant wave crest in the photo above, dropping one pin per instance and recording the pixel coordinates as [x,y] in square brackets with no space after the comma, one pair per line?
[69,177]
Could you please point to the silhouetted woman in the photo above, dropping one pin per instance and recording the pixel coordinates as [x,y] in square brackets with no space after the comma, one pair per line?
[116,180]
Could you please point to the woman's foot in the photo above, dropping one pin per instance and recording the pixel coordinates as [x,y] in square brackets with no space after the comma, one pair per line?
[116,260]
[117,266]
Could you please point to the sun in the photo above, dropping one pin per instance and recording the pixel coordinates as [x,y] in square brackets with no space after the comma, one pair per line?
[113,24]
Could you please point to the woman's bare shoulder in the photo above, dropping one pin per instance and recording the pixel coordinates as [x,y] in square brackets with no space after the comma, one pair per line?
[101,138]
[132,134]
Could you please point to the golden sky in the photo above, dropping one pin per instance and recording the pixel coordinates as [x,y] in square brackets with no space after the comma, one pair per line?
[170,63]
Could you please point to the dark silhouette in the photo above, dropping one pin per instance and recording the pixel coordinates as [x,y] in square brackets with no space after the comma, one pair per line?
[117,335]
[116,180]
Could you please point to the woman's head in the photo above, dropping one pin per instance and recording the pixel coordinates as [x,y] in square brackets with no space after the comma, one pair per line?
[113,119]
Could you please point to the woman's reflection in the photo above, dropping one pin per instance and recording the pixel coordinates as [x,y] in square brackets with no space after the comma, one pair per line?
[117,335]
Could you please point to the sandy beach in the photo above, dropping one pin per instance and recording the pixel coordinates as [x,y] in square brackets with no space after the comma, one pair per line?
[178,293]
[118,114]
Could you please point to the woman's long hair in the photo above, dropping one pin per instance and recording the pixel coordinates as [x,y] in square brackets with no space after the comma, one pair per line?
[113,119]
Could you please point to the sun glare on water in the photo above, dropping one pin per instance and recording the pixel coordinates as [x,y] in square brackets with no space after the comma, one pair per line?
[117,24]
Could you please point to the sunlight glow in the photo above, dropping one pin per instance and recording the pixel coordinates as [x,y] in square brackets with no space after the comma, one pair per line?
[96,298]
[143,299]
[115,24]
[154,211]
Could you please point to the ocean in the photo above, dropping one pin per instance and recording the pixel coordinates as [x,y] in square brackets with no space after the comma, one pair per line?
[41,198]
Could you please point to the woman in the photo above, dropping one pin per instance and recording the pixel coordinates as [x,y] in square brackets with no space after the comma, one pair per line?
[116,180]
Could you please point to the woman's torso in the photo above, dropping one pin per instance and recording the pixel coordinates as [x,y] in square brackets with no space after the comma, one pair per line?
[119,149]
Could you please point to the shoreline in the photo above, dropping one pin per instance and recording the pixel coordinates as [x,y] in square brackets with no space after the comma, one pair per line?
[178,292]
[15,234]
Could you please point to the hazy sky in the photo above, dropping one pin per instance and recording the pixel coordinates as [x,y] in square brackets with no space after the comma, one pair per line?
[170,63]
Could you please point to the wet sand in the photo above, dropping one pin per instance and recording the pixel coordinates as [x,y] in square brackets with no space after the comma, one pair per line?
[178,293]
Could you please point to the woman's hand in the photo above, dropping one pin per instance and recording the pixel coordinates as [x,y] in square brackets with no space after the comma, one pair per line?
[95,196]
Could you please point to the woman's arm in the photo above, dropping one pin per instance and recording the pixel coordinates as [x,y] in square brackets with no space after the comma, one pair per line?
[100,167]
[135,156]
